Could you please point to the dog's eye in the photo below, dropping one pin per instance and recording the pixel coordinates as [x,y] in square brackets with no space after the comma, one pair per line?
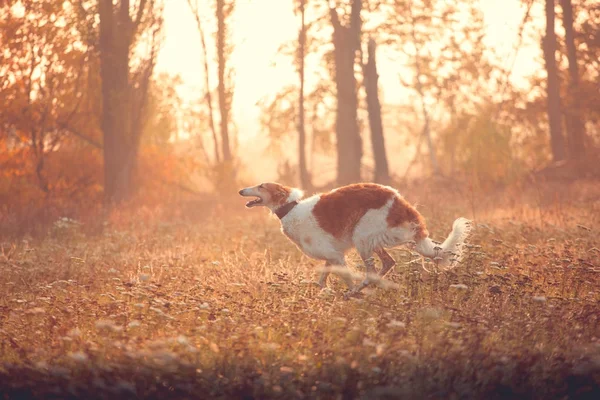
[261,186]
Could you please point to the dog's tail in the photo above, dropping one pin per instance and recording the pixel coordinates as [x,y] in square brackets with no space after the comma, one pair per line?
[449,253]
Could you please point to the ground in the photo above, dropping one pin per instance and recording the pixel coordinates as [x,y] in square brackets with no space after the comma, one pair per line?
[222,306]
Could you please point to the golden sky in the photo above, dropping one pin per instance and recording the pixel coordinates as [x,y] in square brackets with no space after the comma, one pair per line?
[261,26]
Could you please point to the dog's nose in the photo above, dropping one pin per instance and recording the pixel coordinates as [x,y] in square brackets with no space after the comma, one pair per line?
[241,192]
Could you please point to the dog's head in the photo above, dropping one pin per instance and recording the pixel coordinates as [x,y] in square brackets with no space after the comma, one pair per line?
[270,195]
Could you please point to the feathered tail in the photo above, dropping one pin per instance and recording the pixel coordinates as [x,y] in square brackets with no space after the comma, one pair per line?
[449,253]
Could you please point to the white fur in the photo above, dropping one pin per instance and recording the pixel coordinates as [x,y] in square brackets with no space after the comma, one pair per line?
[300,224]
[449,253]
[296,195]
[372,232]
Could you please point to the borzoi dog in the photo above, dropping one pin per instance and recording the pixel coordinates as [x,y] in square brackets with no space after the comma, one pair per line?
[366,216]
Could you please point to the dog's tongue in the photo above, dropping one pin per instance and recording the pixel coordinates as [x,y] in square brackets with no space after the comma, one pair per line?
[252,202]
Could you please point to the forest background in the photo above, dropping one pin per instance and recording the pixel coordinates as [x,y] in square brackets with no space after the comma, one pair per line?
[162,103]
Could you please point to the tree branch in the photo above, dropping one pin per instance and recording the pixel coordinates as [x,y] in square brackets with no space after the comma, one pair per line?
[335,19]
[208,96]
[138,17]
[80,135]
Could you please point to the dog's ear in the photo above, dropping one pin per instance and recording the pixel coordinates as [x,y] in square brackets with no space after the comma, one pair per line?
[279,193]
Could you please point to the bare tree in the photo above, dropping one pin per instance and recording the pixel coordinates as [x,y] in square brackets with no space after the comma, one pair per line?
[305,182]
[575,124]
[419,89]
[224,9]
[194,7]
[346,41]
[552,85]
[374,108]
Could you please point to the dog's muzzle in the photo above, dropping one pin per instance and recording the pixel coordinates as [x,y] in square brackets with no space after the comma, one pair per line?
[250,192]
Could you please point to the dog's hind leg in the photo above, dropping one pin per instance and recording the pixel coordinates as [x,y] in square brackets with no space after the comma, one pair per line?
[371,272]
[324,275]
[387,261]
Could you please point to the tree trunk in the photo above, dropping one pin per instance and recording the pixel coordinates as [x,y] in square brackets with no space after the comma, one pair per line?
[419,87]
[222,91]
[374,108]
[575,124]
[122,104]
[552,86]
[346,41]
[313,142]
[211,115]
[114,63]
[304,177]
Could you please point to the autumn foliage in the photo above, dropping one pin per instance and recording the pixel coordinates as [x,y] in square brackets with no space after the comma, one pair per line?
[51,140]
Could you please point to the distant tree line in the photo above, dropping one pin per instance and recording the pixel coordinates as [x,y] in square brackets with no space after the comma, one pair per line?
[83,112]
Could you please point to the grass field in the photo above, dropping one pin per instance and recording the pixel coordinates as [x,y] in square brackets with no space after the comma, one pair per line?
[221,306]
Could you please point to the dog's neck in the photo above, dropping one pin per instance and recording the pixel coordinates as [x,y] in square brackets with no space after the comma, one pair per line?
[285,209]
[295,196]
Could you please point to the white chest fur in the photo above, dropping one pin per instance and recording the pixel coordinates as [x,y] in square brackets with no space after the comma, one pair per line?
[302,228]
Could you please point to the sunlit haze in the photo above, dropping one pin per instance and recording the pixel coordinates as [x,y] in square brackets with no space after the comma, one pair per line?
[261,26]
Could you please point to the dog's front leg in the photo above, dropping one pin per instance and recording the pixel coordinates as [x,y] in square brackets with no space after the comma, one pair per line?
[341,270]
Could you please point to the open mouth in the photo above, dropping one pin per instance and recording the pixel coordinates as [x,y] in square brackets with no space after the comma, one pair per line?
[254,202]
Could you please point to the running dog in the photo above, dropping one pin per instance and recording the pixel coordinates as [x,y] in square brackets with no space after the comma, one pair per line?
[365,216]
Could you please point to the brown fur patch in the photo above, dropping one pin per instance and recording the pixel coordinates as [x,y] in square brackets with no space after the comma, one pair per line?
[339,211]
[278,193]
[402,213]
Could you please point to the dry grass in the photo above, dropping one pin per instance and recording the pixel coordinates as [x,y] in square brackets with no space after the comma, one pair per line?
[223,308]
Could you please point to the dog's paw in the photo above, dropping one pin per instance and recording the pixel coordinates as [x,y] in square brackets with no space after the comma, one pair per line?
[326,292]
[351,294]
